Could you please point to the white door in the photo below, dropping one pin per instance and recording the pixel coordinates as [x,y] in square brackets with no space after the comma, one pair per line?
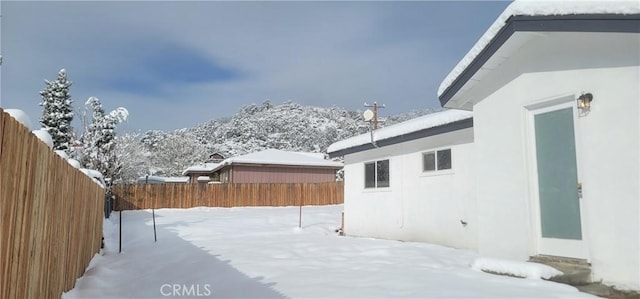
[557,188]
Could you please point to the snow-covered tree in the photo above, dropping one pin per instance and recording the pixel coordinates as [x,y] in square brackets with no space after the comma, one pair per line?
[152,139]
[132,158]
[57,111]
[99,149]
[176,152]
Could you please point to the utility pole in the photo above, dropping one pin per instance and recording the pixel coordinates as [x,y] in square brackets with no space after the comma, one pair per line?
[375,113]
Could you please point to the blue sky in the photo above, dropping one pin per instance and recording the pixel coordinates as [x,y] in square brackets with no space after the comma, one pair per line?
[174,64]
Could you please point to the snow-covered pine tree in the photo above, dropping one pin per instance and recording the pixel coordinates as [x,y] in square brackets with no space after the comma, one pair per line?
[99,150]
[92,135]
[57,111]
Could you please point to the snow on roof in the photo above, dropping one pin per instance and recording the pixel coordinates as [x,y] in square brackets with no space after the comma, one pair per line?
[279,157]
[537,8]
[203,178]
[206,167]
[161,179]
[403,128]
[315,155]
[176,179]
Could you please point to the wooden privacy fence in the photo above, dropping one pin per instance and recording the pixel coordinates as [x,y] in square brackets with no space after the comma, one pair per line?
[50,217]
[139,196]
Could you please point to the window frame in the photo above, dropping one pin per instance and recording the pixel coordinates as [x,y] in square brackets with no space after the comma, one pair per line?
[376,178]
[436,169]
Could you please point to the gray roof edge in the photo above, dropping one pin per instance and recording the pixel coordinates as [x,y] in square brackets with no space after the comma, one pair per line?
[446,128]
[284,165]
[241,163]
[620,23]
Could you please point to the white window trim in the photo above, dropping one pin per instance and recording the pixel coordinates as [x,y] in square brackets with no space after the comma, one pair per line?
[376,188]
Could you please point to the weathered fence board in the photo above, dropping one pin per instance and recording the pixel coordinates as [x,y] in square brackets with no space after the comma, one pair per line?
[140,196]
[50,217]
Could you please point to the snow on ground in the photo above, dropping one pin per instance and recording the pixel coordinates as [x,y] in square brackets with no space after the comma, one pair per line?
[515,268]
[261,253]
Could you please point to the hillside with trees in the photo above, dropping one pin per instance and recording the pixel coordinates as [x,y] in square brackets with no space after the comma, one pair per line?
[289,126]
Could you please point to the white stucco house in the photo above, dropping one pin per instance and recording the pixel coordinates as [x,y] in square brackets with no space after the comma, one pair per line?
[551,164]
[413,181]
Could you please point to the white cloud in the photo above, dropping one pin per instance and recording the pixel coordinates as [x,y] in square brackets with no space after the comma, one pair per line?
[320,53]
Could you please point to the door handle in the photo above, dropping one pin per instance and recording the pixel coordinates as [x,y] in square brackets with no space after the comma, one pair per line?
[579,190]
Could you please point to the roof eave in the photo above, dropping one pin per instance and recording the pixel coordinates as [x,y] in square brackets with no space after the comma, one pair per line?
[240,163]
[446,128]
[618,23]
[191,171]
[285,165]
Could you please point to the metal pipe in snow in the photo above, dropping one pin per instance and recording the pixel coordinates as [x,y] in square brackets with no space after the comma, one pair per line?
[120,235]
[155,237]
[300,217]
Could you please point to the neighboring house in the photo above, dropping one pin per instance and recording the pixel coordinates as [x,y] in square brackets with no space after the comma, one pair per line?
[203,173]
[276,166]
[540,173]
[152,179]
[216,157]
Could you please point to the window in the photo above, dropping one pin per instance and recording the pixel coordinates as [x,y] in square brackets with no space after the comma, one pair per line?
[436,160]
[429,161]
[376,174]
[444,159]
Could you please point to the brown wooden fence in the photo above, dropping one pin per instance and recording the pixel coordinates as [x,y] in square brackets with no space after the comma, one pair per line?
[50,217]
[140,196]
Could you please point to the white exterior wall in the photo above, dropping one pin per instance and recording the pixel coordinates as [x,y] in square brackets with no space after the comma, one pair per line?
[493,183]
[416,206]
[608,147]
[610,150]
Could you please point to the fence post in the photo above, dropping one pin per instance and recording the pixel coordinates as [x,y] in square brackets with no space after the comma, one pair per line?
[342,225]
[300,217]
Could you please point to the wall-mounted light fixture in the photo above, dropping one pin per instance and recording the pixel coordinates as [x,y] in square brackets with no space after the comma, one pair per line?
[584,101]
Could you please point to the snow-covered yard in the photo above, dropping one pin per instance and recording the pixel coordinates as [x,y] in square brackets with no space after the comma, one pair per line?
[261,253]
